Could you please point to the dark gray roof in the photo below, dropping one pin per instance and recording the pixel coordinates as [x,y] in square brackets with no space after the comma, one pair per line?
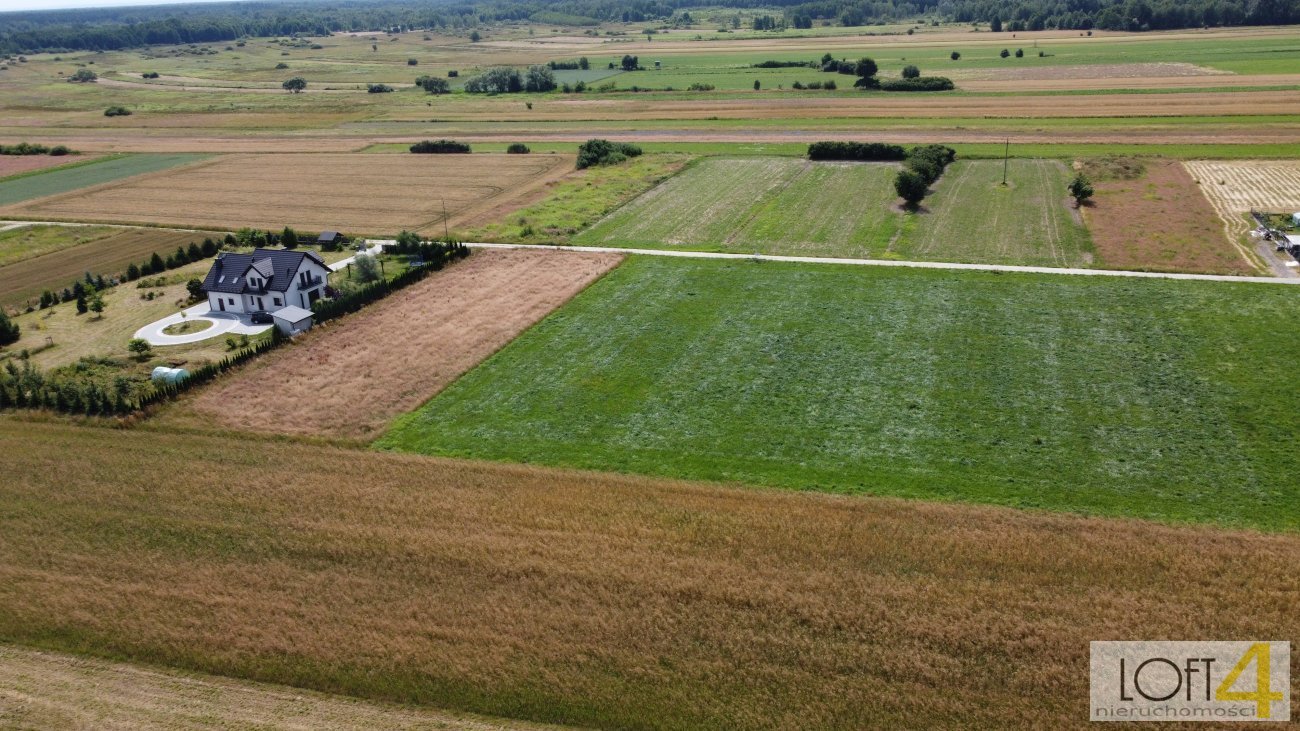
[327,236]
[229,273]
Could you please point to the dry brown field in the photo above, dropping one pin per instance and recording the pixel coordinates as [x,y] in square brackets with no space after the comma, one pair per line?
[350,378]
[111,255]
[52,690]
[590,598]
[14,164]
[760,106]
[1160,221]
[358,194]
[1234,188]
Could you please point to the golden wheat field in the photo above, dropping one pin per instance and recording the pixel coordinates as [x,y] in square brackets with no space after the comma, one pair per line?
[357,194]
[588,598]
[351,377]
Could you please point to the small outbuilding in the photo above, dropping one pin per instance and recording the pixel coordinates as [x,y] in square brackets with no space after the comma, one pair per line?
[1295,218]
[292,320]
[328,238]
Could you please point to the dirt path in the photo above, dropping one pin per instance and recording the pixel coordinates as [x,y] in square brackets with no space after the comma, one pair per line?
[896,263]
[55,690]
[351,377]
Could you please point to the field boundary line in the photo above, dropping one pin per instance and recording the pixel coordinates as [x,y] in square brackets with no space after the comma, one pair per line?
[959,266]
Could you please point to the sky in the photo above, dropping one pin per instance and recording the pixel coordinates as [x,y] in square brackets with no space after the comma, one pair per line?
[6,5]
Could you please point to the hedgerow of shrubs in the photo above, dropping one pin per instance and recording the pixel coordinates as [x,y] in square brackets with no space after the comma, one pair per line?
[430,147]
[604,152]
[866,151]
[518,148]
[921,83]
[27,148]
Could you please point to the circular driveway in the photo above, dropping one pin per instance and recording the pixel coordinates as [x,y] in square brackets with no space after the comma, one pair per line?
[222,323]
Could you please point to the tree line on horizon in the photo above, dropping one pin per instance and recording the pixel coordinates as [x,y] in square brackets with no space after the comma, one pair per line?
[115,28]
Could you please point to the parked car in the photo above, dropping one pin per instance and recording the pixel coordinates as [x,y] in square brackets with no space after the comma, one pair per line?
[262,317]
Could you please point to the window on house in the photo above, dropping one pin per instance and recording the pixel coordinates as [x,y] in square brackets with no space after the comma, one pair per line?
[232,300]
[277,301]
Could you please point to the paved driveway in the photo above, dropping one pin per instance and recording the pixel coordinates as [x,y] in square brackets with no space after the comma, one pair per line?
[222,323]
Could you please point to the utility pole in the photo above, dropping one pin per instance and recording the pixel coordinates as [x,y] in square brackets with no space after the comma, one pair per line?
[1005,156]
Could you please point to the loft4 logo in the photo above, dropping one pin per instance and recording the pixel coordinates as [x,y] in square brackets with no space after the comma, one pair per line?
[1190,681]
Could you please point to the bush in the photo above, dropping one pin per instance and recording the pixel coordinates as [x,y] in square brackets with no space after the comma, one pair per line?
[499,80]
[60,150]
[955,56]
[433,85]
[910,186]
[1081,188]
[366,268]
[195,288]
[923,83]
[604,152]
[295,85]
[140,348]
[84,76]
[281,66]
[697,86]
[149,75]
[518,148]
[1020,53]
[428,147]
[855,151]
[911,72]
[117,112]
[412,62]
[539,78]
[379,89]
[453,74]
[1004,53]
[9,330]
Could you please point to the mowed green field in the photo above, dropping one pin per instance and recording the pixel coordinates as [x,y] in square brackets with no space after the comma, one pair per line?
[971,217]
[761,205]
[83,176]
[796,207]
[1148,398]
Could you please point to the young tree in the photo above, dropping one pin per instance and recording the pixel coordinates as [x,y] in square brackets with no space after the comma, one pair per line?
[1004,53]
[995,25]
[156,263]
[9,330]
[583,63]
[539,78]
[910,186]
[140,348]
[289,238]
[82,306]
[1081,188]
[757,85]
[366,268]
[865,68]
[97,304]
[195,288]
[1020,53]
[911,72]
[474,37]
[295,85]
[956,56]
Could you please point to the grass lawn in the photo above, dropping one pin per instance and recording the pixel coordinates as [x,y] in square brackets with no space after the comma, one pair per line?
[766,205]
[59,336]
[62,180]
[1156,399]
[971,217]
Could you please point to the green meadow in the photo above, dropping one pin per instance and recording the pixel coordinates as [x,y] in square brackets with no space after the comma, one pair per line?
[1129,397]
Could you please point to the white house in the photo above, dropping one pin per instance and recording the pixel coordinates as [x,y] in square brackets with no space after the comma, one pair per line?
[266,280]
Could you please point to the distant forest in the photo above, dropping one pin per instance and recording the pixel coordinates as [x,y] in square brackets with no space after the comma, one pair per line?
[115,28]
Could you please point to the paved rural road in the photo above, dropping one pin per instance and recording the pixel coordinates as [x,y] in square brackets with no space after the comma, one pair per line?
[892,263]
